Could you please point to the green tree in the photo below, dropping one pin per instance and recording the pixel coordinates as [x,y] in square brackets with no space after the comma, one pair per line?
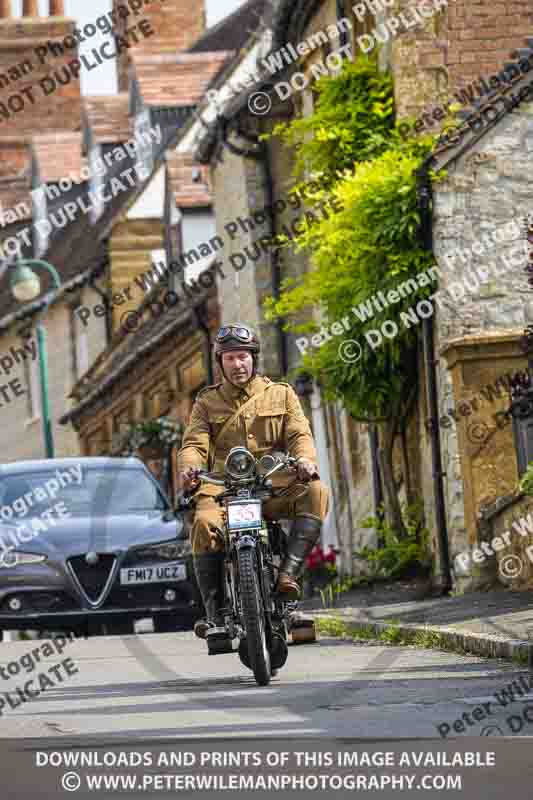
[370,245]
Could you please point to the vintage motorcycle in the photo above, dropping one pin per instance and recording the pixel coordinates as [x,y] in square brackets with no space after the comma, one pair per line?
[254,549]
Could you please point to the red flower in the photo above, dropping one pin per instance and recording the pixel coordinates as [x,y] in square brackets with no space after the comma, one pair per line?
[315,558]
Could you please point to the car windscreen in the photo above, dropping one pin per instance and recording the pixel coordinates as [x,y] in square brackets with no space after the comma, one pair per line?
[82,490]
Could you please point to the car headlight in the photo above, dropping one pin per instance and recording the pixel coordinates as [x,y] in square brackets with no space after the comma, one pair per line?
[240,464]
[165,550]
[15,558]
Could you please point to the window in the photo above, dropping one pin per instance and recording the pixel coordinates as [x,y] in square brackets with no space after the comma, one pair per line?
[147,406]
[160,399]
[193,374]
[122,420]
[159,269]
[79,346]
[143,135]
[97,182]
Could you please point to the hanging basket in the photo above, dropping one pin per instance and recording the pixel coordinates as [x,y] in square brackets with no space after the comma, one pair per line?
[151,439]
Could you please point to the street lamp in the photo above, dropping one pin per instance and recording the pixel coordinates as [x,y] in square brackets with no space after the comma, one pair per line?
[26,286]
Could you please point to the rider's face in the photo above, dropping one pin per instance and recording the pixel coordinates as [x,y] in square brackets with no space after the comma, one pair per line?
[238,366]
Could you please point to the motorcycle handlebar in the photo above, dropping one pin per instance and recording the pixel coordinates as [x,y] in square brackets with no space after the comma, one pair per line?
[205,477]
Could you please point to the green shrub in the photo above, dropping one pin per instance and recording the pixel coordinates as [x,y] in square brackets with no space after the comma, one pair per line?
[398,556]
[526,483]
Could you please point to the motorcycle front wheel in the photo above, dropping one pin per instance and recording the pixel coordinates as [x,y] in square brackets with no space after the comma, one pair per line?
[254,618]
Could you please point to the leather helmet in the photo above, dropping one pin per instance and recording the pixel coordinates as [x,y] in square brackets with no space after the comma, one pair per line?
[236,337]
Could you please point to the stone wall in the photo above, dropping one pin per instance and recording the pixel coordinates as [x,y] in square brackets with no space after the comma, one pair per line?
[505,546]
[485,304]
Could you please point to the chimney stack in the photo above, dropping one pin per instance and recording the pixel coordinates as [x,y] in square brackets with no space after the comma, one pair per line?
[30,8]
[57,8]
[176,25]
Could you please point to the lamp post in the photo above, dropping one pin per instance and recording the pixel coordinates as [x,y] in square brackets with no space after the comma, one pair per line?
[26,286]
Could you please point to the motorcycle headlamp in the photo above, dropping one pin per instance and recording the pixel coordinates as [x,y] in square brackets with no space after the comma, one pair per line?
[240,464]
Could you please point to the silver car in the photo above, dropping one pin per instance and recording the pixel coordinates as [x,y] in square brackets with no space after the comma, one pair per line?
[90,545]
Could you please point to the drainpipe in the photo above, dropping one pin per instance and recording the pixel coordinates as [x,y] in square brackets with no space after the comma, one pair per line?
[376,475]
[343,38]
[202,325]
[428,339]
[260,154]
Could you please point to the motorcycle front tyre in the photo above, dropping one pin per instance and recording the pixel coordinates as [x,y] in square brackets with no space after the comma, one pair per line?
[254,618]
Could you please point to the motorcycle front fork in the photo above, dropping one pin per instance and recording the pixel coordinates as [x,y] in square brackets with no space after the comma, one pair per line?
[278,619]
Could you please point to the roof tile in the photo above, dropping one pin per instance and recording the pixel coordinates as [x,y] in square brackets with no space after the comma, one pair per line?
[182,80]
[109,118]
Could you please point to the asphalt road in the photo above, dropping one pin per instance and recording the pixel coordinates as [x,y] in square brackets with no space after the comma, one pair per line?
[165,685]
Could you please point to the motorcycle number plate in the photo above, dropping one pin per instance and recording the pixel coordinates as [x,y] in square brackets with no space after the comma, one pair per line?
[243,516]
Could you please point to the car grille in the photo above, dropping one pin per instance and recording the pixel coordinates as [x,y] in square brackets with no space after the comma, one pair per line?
[92,579]
[130,597]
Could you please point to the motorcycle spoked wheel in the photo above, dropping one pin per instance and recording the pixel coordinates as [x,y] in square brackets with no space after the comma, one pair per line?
[278,652]
[254,618]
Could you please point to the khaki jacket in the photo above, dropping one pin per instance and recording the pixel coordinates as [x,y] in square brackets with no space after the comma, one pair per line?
[274,422]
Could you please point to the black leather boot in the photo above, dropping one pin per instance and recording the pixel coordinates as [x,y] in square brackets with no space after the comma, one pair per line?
[304,534]
[209,571]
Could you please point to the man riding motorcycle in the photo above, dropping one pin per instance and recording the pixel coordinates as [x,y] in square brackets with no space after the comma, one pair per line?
[247,409]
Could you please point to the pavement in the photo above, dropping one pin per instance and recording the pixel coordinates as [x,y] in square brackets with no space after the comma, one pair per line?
[493,624]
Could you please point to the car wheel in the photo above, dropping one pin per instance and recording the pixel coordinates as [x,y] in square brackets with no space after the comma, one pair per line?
[165,623]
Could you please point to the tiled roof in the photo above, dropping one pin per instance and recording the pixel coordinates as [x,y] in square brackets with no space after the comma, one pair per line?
[188,193]
[58,155]
[181,80]
[232,32]
[109,118]
[79,247]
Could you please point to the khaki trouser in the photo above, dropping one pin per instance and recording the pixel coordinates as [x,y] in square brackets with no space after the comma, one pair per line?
[206,536]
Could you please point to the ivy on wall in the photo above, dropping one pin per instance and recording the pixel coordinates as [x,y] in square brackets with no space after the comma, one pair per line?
[371,244]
